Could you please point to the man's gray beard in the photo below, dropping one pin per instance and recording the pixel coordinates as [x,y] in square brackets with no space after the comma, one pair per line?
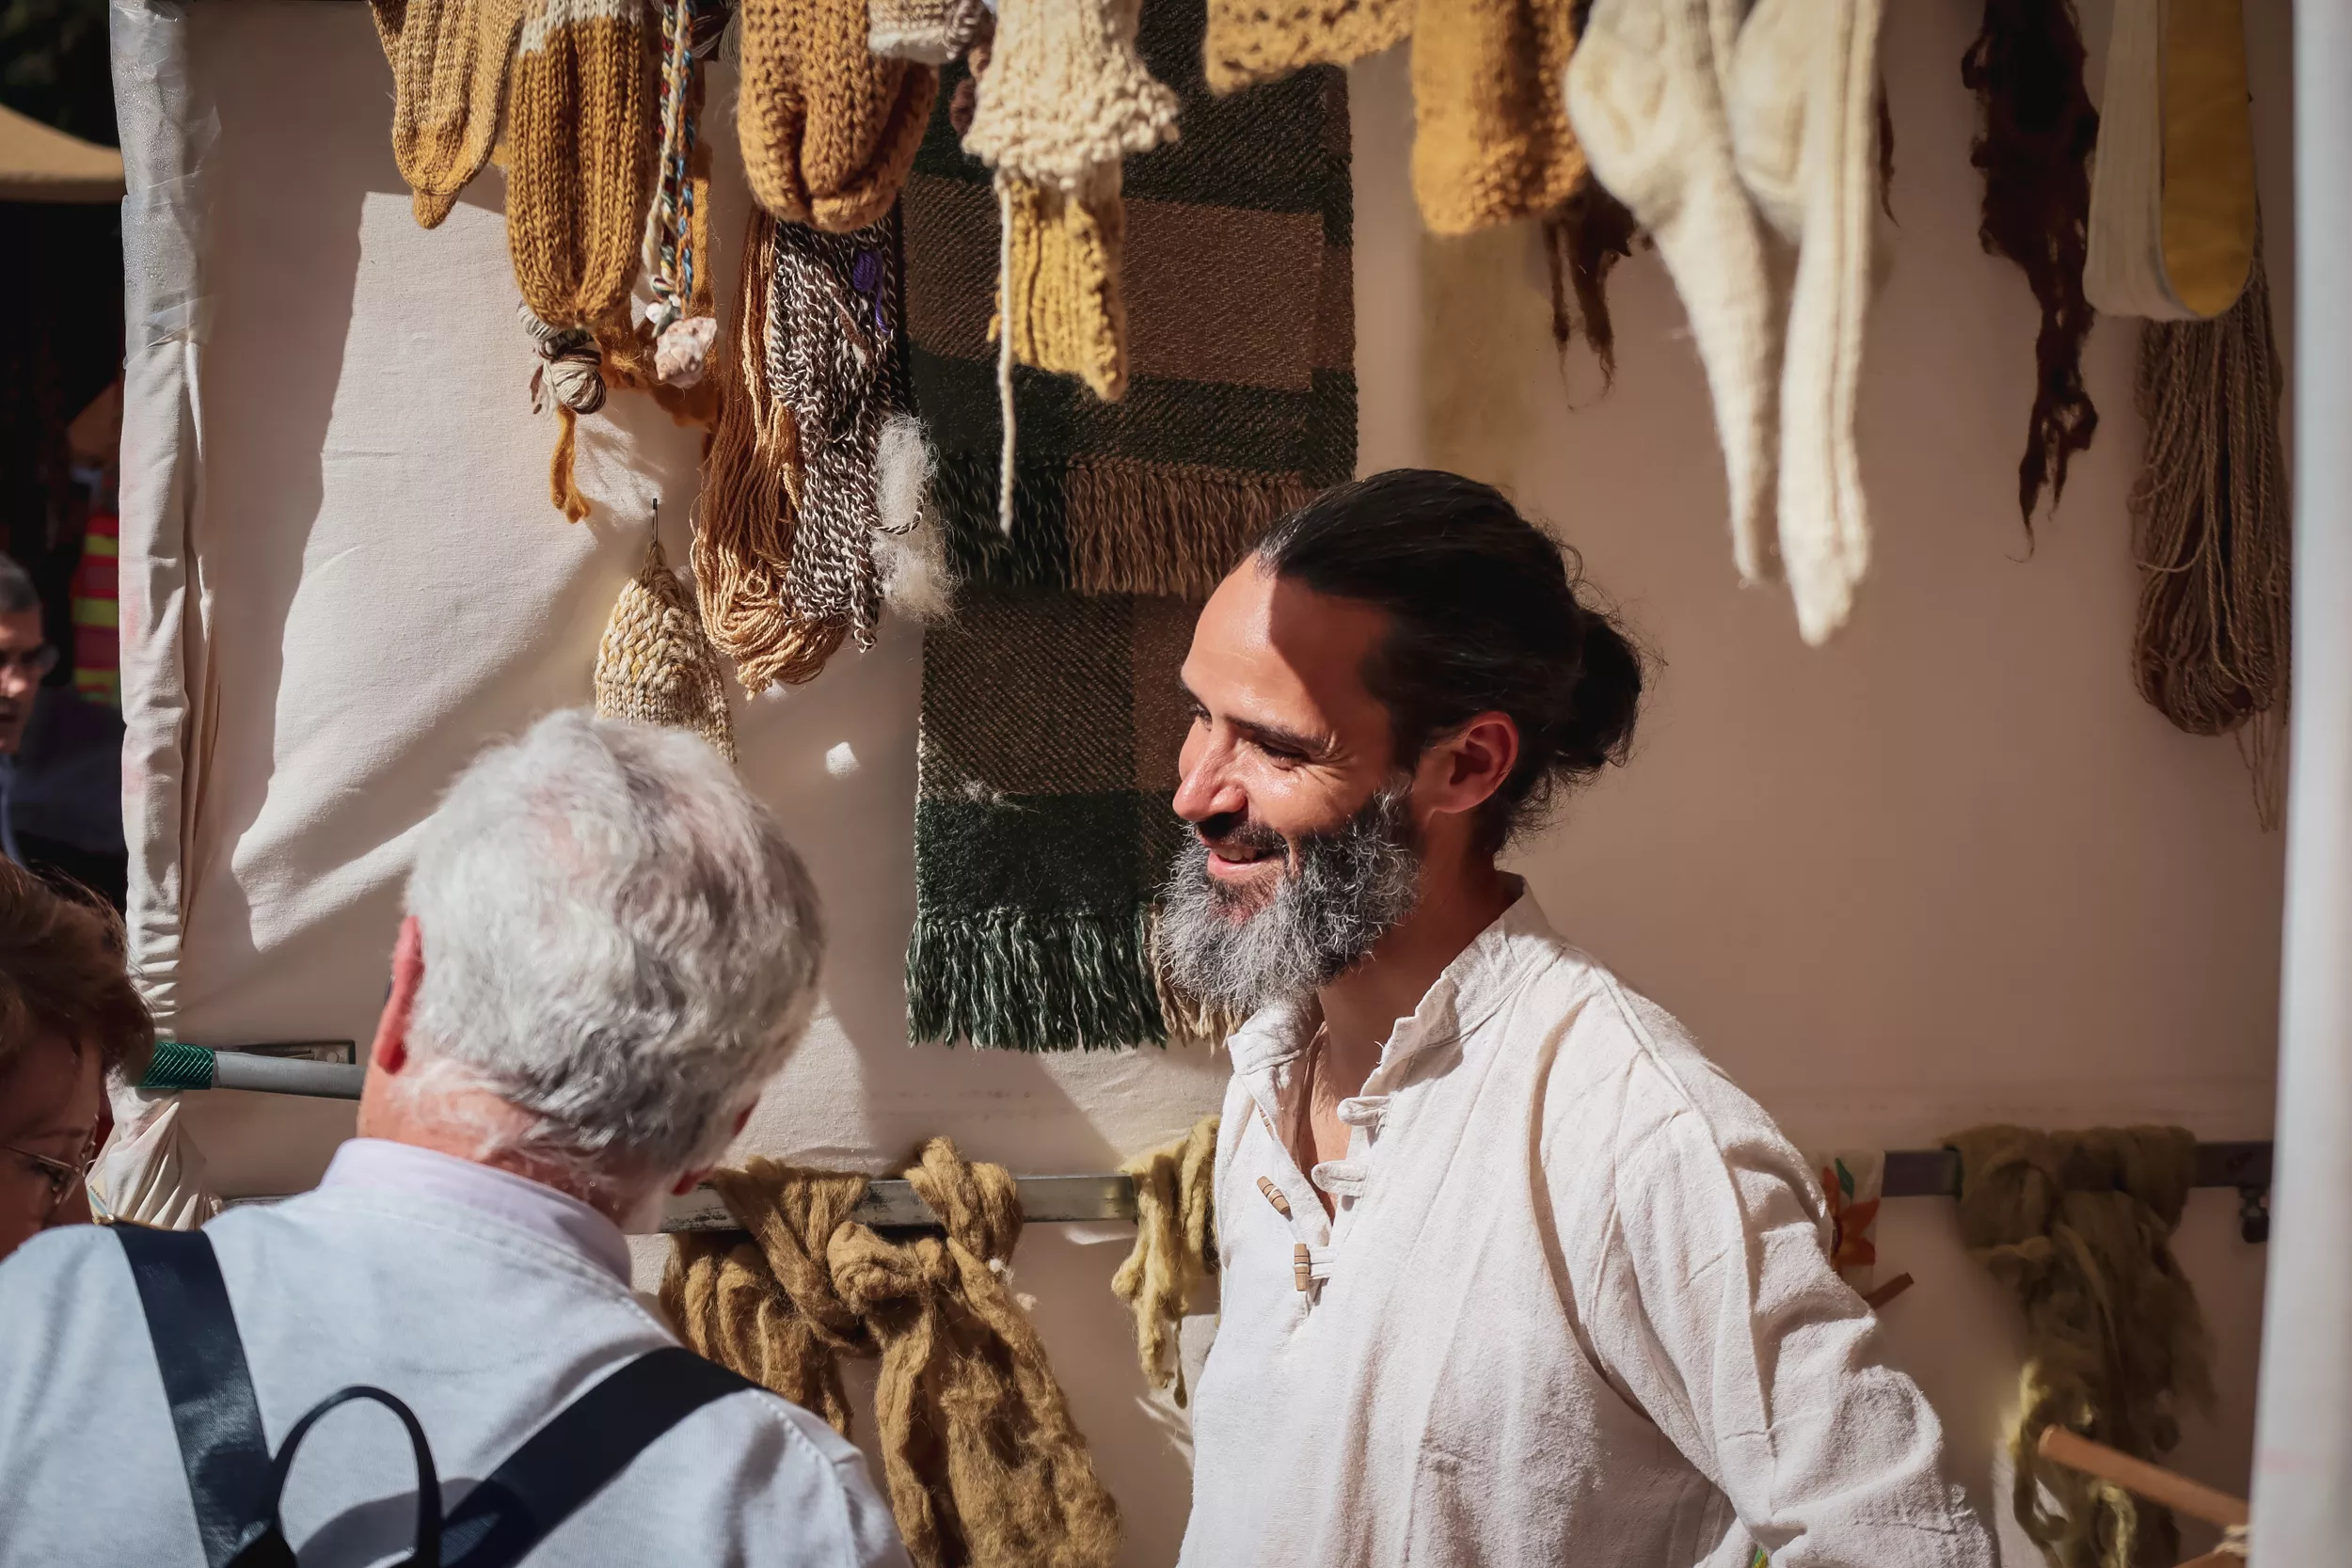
[1350,887]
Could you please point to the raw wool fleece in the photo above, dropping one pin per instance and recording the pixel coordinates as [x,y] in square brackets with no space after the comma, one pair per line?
[655,666]
[1251,41]
[449,61]
[1051,721]
[980,1456]
[2078,1224]
[1175,1246]
[1706,150]
[827,127]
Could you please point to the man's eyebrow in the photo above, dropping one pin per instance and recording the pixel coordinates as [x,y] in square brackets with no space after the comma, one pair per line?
[1274,735]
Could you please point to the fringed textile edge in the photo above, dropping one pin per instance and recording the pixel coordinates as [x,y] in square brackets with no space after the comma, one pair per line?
[1011,981]
[1172,529]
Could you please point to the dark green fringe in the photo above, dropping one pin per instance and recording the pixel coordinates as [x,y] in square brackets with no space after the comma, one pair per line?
[1028,982]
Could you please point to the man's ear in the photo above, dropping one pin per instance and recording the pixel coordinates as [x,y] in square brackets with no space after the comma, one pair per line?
[389,1052]
[1462,771]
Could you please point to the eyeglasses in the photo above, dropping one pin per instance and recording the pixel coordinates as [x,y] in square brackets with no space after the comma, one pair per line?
[32,663]
[60,1179]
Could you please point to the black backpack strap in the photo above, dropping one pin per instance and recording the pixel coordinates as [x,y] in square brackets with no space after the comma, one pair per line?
[213,1412]
[571,1458]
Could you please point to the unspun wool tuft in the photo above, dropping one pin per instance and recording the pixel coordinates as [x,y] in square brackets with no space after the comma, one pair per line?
[1175,1249]
[910,545]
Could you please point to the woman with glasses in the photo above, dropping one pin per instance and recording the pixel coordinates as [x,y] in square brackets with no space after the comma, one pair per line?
[68,1015]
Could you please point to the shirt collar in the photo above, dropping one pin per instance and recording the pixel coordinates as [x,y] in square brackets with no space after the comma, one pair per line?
[1471,989]
[381,1165]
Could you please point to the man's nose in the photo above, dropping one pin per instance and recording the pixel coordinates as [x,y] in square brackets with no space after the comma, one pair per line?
[1207,790]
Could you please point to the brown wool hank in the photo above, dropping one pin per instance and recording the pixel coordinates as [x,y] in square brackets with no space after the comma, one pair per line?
[982,1461]
[2034,146]
[2213,535]
[1175,1247]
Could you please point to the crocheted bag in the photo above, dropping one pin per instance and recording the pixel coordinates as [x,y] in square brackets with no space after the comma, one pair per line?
[655,667]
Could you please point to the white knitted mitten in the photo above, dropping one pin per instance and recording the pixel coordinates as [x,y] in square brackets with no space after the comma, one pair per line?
[1803,127]
[1646,93]
[1065,92]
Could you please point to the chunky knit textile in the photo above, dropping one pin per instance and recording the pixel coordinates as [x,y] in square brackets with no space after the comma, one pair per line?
[1065,94]
[449,61]
[1063,303]
[582,137]
[981,1460]
[1051,720]
[655,666]
[1256,40]
[827,128]
[1491,141]
[1709,148]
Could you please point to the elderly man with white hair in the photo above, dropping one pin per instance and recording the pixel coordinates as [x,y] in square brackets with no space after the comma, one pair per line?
[608,949]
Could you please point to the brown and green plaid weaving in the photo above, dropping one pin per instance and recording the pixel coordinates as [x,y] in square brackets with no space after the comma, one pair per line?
[1051,713]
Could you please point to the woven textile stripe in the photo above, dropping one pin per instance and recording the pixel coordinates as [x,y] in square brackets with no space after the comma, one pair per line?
[1051,711]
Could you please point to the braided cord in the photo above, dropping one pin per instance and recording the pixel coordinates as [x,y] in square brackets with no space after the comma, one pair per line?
[669,254]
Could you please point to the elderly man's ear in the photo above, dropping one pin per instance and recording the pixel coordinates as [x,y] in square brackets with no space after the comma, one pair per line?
[391,1050]
[694,1178]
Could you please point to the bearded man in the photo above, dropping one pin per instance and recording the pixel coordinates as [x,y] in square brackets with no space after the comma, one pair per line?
[1511,1274]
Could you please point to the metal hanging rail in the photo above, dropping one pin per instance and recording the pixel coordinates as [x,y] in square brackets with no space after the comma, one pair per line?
[325,1069]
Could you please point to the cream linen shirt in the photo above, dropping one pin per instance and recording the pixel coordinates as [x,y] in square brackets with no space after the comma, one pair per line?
[1576,1308]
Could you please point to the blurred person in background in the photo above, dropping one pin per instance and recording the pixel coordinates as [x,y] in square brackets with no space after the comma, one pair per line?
[68,1015]
[60,758]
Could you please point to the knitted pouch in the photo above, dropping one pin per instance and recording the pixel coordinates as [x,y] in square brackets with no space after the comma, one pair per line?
[827,128]
[1491,141]
[1065,95]
[654,665]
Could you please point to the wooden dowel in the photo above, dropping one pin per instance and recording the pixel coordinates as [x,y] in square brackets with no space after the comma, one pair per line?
[2153,1482]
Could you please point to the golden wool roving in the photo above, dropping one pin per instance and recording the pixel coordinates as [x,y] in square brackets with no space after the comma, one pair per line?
[1175,1247]
[828,129]
[582,133]
[1491,139]
[655,666]
[1256,40]
[450,60]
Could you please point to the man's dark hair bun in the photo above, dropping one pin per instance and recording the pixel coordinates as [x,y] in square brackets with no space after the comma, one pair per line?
[1487,612]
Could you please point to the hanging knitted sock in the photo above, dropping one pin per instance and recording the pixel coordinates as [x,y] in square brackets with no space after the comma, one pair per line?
[930,32]
[449,61]
[1175,1247]
[655,666]
[582,137]
[1646,95]
[1249,41]
[1803,127]
[828,129]
[1491,140]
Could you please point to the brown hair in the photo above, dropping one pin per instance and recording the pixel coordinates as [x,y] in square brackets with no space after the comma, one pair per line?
[62,972]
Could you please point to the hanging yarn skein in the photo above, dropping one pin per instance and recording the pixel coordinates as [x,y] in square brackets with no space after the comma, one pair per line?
[2213,533]
[2080,1227]
[1175,1247]
[2026,68]
[982,1461]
